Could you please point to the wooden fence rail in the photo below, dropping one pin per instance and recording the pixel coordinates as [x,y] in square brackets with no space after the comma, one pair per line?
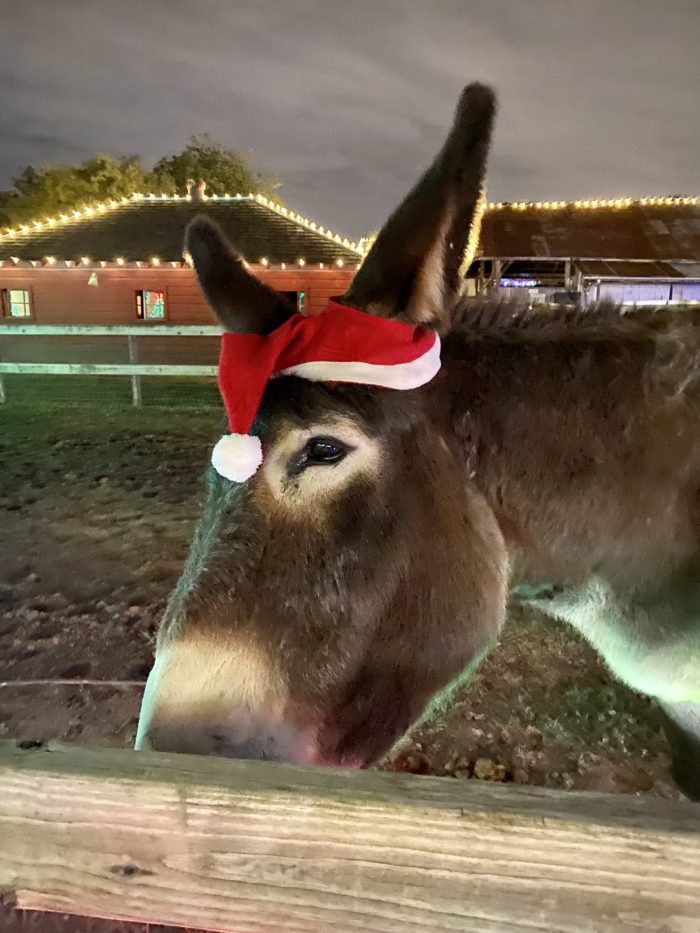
[248,847]
[131,333]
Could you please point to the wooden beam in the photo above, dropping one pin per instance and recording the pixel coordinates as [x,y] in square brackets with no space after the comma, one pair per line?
[135,379]
[111,369]
[248,847]
[10,329]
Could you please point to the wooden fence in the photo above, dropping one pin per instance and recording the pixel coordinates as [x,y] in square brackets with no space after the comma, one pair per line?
[248,847]
[132,335]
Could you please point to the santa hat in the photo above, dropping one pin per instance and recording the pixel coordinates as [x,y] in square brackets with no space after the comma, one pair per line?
[341,344]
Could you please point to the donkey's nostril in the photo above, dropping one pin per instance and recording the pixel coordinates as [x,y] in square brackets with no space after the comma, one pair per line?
[279,742]
[258,749]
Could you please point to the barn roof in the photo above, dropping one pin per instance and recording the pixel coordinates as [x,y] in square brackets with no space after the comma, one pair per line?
[624,268]
[142,227]
[661,229]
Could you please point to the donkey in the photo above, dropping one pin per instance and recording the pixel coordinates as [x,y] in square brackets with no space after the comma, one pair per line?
[356,579]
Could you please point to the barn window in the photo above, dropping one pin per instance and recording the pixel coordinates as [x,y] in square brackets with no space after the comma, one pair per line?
[16,302]
[150,306]
[297,299]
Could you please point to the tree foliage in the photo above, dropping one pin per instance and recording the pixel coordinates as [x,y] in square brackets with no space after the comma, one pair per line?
[56,188]
[226,171]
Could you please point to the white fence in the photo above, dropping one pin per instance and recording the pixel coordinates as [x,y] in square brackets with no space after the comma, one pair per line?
[133,368]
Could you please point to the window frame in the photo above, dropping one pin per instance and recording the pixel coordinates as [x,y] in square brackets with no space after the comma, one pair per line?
[300,303]
[151,320]
[7,305]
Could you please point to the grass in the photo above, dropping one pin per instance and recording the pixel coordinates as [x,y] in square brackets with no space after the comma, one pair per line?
[109,391]
[95,429]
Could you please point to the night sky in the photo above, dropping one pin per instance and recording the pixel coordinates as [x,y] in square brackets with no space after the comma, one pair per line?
[349,100]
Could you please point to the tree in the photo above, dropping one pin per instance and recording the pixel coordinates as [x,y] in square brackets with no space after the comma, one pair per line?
[55,189]
[108,177]
[226,171]
[6,198]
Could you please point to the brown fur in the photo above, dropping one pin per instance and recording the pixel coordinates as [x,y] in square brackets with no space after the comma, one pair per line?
[576,423]
[556,449]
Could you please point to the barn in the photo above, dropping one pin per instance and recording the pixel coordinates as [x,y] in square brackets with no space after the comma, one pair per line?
[122,263]
[644,251]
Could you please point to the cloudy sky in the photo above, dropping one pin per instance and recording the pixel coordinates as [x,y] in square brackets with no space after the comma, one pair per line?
[349,100]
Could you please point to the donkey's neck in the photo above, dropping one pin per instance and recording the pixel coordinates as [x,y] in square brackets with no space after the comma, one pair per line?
[583,461]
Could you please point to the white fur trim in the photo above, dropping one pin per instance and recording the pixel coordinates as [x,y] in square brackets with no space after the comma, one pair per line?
[237,456]
[392,376]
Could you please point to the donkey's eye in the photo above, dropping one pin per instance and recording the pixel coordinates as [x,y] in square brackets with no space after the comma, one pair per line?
[321,450]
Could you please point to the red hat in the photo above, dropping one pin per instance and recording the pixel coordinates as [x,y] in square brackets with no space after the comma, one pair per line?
[339,345]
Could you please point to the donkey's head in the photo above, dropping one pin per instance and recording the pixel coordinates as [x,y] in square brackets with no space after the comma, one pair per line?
[357,573]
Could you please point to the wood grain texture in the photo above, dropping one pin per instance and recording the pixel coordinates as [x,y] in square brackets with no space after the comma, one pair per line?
[111,369]
[248,847]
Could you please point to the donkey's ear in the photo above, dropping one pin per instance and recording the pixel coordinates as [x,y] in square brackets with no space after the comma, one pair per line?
[242,303]
[413,269]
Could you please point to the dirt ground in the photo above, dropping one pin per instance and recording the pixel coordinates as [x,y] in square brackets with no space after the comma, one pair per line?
[97,505]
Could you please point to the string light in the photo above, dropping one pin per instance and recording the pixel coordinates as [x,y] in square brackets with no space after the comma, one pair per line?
[594,203]
[474,232]
[305,222]
[360,248]
[123,263]
[62,218]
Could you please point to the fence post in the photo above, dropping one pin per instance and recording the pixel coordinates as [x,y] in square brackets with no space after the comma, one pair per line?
[3,394]
[135,380]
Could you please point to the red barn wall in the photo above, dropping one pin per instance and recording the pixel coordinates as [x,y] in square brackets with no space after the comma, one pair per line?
[62,296]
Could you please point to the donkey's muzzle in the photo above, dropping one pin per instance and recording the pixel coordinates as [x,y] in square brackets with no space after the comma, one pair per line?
[246,740]
[219,699]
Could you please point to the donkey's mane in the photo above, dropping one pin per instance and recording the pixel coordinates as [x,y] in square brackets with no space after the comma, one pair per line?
[507,320]
[669,339]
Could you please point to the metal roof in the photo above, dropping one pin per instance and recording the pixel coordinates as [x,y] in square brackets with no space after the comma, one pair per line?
[664,229]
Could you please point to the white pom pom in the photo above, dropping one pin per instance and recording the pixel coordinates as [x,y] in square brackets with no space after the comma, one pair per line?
[237,456]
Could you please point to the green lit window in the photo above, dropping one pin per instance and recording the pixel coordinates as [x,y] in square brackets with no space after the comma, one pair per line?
[297,299]
[17,303]
[150,306]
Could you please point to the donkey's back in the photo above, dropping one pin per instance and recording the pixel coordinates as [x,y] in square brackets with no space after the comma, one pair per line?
[582,429]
